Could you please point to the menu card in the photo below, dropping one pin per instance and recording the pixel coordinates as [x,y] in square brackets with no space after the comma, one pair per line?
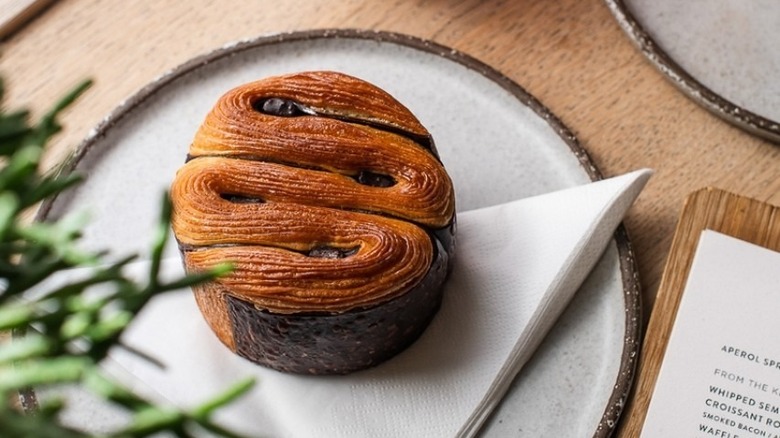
[720,375]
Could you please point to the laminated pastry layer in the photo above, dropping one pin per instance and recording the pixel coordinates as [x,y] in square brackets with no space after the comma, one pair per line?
[324,192]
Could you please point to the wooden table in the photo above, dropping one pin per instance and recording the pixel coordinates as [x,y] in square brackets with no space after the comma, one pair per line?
[570,54]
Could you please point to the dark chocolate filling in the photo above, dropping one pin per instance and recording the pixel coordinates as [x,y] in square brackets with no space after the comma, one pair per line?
[368,178]
[329,252]
[276,106]
[240,199]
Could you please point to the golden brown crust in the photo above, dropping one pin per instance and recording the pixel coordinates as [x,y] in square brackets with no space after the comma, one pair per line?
[264,191]
[201,182]
[235,128]
[273,271]
[327,93]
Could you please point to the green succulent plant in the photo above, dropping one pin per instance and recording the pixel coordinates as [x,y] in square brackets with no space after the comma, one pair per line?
[61,335]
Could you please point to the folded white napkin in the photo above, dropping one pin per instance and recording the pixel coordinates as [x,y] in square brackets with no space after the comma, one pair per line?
[518,264]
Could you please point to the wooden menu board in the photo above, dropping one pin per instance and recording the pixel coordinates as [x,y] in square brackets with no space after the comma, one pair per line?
[737,216]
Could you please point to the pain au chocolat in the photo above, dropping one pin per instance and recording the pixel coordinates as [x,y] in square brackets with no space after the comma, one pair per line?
[329,198]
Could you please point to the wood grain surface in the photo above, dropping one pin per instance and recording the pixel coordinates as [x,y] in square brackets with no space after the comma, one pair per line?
[725,212]
[570,54]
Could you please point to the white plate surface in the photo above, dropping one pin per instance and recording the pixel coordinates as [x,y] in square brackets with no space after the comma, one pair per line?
[497,142]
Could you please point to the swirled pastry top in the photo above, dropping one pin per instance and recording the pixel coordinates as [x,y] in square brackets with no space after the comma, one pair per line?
[322,189]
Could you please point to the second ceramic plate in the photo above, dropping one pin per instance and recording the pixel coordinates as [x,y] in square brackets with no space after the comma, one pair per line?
[722,53]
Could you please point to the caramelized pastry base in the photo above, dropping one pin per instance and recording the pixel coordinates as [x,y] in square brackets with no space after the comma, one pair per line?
[337,343]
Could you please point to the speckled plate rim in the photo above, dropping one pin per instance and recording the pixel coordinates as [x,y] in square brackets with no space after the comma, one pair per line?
[695,90]
[628,269]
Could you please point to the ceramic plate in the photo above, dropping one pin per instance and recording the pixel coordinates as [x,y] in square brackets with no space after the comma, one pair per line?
[497,142]
[722,53]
